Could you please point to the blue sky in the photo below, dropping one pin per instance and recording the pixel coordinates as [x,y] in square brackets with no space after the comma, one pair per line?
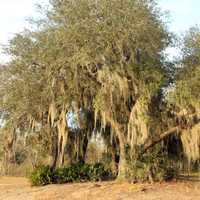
[13,19]
[13,15]
[183,13]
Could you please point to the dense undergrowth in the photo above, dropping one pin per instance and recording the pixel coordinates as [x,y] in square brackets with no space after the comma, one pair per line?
[78,172]
[152,170]
[154,167]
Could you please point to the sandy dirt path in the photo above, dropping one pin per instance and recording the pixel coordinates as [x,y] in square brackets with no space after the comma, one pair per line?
[19,189]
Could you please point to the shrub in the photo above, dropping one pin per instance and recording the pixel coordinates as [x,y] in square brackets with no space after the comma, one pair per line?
[97,172]
[80,173]
[61,175]
[74,173]
[154,166]
[42,175]
[20,157]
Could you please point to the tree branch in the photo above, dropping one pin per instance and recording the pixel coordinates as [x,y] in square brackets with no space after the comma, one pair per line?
[150,143]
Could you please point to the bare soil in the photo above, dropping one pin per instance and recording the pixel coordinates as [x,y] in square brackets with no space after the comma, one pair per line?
[19,189]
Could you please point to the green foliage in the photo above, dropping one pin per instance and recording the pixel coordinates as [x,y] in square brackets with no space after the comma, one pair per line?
[102,56]
[154,172]
[98,172]
[75,173]
[191,47]
[185,92]
[42,175]
[20,157]
[154,166]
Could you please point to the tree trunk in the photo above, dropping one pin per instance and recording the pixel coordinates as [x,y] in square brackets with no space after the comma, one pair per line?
[123,162]
[83,147]
[54,161]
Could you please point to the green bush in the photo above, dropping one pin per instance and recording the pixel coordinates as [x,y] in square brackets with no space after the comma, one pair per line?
[61,175]
[80,173]
[74,173]
[42,175]
[97,172]
[154,166]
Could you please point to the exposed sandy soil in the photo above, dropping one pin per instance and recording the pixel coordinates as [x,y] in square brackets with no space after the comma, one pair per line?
[19,189]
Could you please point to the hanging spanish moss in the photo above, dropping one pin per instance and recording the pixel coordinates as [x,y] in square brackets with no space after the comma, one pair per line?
[191,142]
